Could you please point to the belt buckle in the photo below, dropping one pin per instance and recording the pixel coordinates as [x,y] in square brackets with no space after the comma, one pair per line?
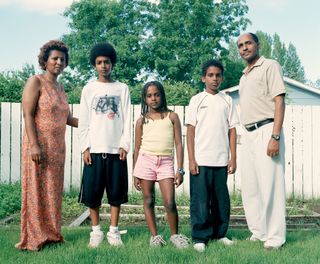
[256,125]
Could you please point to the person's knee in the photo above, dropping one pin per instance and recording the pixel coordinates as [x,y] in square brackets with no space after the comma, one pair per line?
[149,201]
[170,206]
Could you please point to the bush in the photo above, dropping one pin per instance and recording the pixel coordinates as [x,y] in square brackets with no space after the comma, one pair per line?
[10,199]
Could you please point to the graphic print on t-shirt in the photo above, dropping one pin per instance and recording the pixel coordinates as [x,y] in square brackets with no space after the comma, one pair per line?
[108,105]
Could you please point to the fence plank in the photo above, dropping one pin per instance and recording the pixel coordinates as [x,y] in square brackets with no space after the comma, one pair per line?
[288,139]
[316,151]
[15,142]
[297,150]
[67,164]
[234,181]
[186,183]
[76,153]
[307,152]
[180,112]
[130,154]
[237,176]
[5,142]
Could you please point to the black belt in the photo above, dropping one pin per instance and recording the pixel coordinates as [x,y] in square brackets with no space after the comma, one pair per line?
[258,124]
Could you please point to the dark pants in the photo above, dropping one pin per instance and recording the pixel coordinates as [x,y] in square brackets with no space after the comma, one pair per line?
[209,204]
[107,172]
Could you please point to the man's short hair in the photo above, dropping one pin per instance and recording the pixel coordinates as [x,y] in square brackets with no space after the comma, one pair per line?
[254,37]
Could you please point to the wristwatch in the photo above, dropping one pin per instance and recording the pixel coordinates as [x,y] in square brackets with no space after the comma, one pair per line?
[275,137]
[181,171]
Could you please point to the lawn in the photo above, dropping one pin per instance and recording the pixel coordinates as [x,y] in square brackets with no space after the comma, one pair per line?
[303,246]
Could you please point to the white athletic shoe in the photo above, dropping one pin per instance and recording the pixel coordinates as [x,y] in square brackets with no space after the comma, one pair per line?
[226,241]
[157,241]
[114,238]
[179,241]
[200,247]
[96,238]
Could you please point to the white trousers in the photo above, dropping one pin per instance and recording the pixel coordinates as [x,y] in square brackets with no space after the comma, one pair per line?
[263,186]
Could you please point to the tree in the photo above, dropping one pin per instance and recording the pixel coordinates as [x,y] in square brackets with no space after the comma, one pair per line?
[279,50]
[122,23]
[188,32]
[272,47]
[12,83]
[171,38]
[292,67]
[265,41]
[233,65]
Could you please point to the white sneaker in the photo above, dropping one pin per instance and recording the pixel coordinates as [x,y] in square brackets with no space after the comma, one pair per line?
[179,241]
[114,238]
[157,241]
[200,247]
[269,246]
[96,238]
[226,241]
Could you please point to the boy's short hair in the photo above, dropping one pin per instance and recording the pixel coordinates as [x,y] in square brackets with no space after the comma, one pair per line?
[103,49]
[211,63]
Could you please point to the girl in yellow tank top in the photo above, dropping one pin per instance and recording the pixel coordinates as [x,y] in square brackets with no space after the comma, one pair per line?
[156,132]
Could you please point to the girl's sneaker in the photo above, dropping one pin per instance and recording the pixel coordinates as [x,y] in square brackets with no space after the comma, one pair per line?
[96,238]
[179,241]
[114,238]
[157,241]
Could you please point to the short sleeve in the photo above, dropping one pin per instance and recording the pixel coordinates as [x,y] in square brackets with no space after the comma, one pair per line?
[233,116]
[275,80]
[191,113]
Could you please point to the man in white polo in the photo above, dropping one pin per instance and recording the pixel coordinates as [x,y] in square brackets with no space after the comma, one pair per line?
[262,107]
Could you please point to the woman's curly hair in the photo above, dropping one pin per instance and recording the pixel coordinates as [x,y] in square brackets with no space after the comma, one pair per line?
[48,47]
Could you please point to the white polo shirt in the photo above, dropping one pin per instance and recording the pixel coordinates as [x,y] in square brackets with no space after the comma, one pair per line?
[257,90]
[212,116]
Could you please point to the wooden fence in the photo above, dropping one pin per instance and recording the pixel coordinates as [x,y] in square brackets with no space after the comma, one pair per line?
[302,138]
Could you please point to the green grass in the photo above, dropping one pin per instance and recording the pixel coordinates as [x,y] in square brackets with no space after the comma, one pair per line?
[301,247]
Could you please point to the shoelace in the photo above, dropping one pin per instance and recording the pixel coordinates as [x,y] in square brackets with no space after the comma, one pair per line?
[158,240]
[182,239]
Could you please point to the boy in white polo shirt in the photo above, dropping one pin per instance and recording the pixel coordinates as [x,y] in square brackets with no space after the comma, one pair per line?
[211,135]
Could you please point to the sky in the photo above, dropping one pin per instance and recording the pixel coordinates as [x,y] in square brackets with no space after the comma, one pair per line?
[25,25]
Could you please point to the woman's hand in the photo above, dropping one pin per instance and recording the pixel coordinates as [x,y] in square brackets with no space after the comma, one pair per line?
[35,152]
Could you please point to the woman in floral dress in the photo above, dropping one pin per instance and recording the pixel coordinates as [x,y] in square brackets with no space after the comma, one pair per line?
[46,114]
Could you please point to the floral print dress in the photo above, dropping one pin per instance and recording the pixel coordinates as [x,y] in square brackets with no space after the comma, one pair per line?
[42,184]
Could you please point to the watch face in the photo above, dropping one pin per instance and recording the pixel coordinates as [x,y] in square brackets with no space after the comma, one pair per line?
[276,137]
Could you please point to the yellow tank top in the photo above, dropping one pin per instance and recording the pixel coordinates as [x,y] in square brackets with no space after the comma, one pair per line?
[158,137]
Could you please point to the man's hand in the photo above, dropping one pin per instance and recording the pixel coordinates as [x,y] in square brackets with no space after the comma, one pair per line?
[123,154]
[273,148]
[193,167]
[232,166]
[87,157]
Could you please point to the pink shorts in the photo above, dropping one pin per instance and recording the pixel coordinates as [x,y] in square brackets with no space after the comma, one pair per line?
[153,167]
